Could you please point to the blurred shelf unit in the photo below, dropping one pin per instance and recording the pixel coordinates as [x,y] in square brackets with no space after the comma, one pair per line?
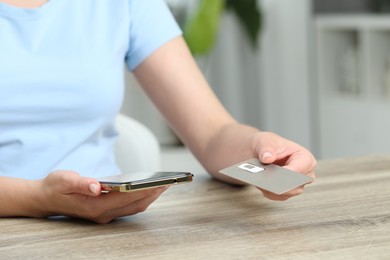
[353,73]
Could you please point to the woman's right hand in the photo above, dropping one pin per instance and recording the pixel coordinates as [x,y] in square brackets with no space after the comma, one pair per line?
[67,193]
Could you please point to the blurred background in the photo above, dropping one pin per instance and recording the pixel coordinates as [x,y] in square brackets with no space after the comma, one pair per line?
[314,71]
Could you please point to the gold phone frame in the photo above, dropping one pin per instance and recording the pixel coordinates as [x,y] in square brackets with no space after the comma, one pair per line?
[169,178]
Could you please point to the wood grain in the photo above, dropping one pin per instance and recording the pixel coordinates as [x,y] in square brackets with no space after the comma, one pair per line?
[345,214]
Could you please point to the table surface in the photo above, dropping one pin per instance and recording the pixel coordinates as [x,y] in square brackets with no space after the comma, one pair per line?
[345,214]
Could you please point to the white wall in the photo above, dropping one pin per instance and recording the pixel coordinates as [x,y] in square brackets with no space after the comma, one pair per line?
[232,70]
[285,62]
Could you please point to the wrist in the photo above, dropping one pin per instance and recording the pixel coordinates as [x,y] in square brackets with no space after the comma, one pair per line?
[36,205]
[21,198]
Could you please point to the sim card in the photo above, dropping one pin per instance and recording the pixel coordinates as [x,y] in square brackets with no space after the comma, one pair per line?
[268,177]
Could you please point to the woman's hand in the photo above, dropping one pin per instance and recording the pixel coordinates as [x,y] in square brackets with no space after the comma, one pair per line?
[236,143]
[271,148]
[67,193]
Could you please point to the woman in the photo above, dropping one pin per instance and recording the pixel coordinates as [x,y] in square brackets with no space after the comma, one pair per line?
[61,85]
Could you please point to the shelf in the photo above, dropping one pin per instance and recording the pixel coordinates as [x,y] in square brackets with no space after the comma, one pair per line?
[353,76]
[353,21]
[378,63]
[354,55]
[340,54]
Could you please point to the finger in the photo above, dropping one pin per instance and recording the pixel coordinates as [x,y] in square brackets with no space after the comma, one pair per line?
[74,183]
[294,192]
[269,148]
[120,199]
[284,196]
[275,197]
[140,205]
[302,162]
[268,156]
[132,208]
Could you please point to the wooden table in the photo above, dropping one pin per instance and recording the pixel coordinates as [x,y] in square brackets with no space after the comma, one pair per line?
[345,214]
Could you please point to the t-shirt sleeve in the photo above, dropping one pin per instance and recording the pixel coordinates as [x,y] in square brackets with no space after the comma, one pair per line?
[151,26]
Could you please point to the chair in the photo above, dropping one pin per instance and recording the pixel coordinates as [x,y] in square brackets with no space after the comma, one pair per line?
[137,148]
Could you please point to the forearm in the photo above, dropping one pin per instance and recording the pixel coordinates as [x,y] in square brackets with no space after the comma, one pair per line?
[20,198]
[180,91]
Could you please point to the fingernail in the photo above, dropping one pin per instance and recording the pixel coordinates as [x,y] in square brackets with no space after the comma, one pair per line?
[93,187]
[267,155]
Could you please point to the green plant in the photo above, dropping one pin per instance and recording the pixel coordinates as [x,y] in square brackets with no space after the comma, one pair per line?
[200,29]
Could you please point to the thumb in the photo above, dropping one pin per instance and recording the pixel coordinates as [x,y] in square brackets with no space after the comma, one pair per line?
[267,157]
[94,188]
[269,147]
[82,185]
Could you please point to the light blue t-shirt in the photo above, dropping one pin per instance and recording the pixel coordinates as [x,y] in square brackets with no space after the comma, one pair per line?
[62,80]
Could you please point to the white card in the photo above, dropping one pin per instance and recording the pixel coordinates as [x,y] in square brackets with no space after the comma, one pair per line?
[269,177]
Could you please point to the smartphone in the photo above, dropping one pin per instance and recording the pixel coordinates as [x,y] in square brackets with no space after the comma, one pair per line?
[143,180]
[269,177]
